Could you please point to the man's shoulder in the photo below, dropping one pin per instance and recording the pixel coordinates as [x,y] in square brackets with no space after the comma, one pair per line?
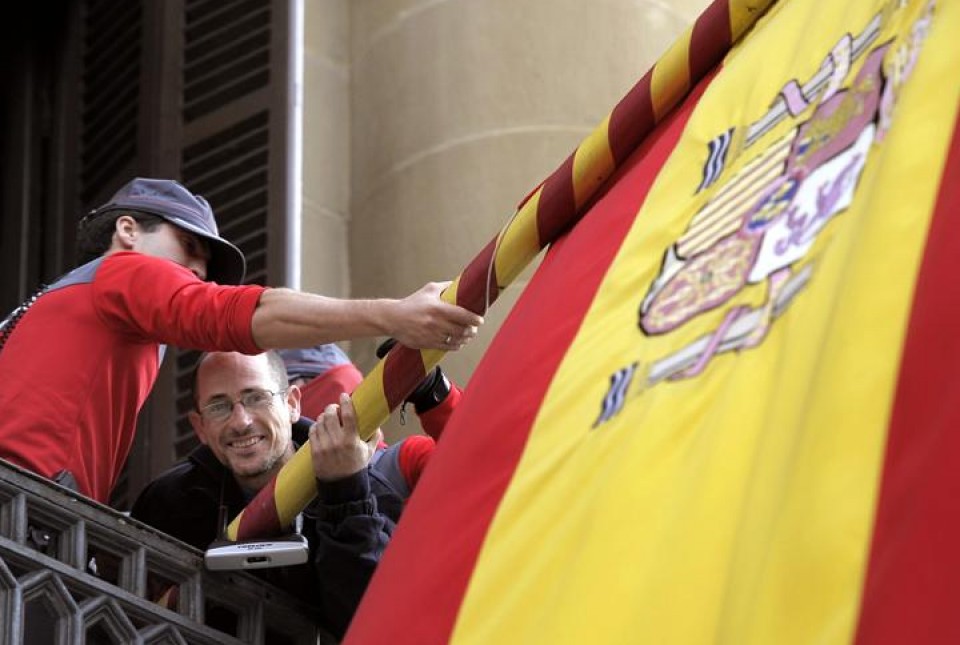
[182,502]
[185,479]
[122,262]
[182,471]
[145,279]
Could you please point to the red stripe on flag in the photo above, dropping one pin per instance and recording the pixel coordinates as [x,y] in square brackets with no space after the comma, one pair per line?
[913,579]
[402,371]
[260,517]
[710,38]
[631,120]
[416,593]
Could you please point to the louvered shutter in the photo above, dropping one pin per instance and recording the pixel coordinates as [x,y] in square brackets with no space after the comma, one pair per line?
[232,89]
[235,114]
[111,91]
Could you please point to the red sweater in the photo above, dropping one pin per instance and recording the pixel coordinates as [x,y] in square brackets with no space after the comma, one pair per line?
[416,450]
[77,368]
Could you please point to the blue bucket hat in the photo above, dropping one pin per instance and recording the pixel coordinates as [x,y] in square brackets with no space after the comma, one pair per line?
[177,205]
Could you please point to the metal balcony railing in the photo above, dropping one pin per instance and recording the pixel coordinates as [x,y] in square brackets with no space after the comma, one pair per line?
[73,571]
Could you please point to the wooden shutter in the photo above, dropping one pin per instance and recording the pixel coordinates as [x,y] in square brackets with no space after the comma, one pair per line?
[111,95]
[235,113]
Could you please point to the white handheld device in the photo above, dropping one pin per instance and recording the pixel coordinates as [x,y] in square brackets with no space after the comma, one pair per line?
[256,554]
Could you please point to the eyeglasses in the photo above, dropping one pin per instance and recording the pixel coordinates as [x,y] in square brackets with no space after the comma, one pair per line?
[220,410]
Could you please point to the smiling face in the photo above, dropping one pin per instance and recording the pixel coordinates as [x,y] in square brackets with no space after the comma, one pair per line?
[253,442]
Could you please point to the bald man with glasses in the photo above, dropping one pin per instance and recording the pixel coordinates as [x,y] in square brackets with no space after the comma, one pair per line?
[249,424]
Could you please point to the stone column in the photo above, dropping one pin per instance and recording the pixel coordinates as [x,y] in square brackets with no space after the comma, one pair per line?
[326,148]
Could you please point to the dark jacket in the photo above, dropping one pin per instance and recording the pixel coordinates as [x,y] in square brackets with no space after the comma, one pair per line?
[347,526]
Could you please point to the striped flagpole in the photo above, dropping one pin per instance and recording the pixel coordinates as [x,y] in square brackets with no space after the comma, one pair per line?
[553,208]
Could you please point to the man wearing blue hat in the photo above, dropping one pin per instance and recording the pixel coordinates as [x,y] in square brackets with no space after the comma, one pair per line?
[78,360]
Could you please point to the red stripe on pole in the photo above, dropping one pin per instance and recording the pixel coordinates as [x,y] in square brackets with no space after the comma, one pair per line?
[260,517]
[710,38]
[402,371]
[478,282]
[557,204]
[913,579]
[631,120]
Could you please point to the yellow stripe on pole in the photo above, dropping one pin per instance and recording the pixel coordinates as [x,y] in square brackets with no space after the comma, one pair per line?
[370,403]
[593,163]
[671,77]
[430,358]
[450,293]
[298,483]
[519,244]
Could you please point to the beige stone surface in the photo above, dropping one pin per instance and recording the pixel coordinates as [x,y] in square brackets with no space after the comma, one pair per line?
[440,73]
[327,28]
[325,195]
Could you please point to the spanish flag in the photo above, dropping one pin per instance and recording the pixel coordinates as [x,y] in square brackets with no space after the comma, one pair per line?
[727,407]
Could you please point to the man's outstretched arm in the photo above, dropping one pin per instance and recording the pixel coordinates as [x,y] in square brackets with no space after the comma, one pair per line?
[288,318]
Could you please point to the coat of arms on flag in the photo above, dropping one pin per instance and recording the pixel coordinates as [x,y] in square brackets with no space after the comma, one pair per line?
[759,226]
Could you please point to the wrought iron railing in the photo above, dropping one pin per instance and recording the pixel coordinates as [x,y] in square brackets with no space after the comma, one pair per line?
[74,571]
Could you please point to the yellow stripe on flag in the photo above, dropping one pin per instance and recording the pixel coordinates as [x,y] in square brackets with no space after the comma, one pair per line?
[743,15]
[735,506]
